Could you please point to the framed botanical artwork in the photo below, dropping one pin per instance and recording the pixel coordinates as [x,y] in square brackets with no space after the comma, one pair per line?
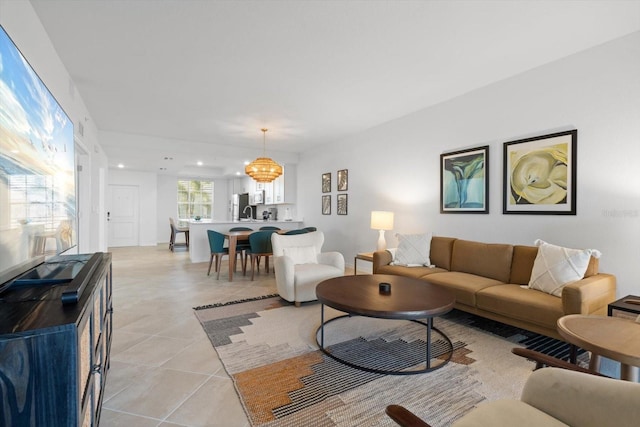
[326,205]
[343,202]
[343,180]
[326,182]
[464,181]
[540,175]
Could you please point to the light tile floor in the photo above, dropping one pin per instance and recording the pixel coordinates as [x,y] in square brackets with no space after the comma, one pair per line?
[164,371]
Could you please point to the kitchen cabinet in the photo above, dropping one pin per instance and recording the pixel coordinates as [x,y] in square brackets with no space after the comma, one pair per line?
[268,193]
[281,190]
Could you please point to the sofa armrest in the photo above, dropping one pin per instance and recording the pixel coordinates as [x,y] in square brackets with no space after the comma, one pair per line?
[334,259]
[577,399]
[590,295]
[381,258]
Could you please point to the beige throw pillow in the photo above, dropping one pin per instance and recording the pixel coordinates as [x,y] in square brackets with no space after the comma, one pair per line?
[301,254]
[555,267]
[413,250]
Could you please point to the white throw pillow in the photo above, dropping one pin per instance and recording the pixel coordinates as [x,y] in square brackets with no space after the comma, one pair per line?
[555,267]
[301,254]
[413,250]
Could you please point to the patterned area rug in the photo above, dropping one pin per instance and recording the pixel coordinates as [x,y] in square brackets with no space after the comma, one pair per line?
[269,349]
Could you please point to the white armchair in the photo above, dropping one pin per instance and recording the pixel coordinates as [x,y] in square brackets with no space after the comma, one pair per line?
[300,265]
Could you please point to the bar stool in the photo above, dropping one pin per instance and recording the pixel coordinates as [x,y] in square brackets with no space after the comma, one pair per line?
[175,229]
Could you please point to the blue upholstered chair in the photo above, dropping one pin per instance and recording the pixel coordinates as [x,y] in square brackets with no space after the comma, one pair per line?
[269,227]
[216,245]
[260,242]
[310,229]
[298,231]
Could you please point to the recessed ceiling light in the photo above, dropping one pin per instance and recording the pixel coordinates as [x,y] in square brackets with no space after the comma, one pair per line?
[199,163]
[246,162]
[238,173]
[120,165]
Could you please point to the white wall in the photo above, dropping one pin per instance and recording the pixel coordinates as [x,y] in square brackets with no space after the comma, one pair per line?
[23,26]
[395,166]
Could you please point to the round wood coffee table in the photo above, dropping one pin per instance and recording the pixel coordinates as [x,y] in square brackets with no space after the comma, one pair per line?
[408,299]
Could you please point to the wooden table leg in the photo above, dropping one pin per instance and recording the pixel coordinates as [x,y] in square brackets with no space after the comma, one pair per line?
[594,362]
[232,255]
[629,373]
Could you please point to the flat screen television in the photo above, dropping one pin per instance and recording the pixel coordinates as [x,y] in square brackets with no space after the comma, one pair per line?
[37,168]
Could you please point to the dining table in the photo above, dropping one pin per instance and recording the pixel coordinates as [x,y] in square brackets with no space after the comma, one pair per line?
[234,237]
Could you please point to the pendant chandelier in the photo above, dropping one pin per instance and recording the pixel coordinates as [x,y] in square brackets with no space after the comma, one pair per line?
[263,169]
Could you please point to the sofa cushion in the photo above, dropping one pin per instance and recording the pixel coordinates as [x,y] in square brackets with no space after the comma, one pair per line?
[522,303]
[556,266]
[301,254]
[490,260]
[463,285]
[522,264]
[414,272]
[441,249]
[413,250]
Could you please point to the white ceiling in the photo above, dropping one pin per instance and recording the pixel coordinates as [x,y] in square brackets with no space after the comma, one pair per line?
[205,76]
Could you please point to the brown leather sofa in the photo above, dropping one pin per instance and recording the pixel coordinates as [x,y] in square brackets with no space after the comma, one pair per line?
[487,279]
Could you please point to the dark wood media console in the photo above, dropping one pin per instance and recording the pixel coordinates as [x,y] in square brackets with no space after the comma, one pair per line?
[54,357]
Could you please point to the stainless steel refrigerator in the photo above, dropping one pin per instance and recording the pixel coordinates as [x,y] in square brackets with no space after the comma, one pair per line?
[240,203]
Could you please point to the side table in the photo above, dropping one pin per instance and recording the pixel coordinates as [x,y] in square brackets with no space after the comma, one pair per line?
[612,337]
[622,308]
[365,256]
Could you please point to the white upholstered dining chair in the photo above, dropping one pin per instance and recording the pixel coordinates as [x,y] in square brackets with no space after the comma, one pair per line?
[300,265]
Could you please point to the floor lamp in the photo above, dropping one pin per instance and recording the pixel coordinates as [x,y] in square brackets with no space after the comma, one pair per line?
[381,220]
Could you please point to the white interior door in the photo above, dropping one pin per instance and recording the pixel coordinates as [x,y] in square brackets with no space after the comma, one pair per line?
[122,215]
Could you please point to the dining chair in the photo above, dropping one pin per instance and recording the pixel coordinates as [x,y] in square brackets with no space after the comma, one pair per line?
[242,247]
[260,242]
[269,227]
[297,231]
[311,229]
[175,229]
[216,246]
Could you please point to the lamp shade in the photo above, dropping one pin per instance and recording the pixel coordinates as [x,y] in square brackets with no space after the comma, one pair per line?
[382,220]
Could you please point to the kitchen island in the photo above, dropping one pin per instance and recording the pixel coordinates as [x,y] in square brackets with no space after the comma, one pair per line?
[199,242]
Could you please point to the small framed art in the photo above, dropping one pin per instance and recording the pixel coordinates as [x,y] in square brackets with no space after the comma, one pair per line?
[464,181]
[326,205]
[539,175]
[343,180]
[326,182]
[343,204]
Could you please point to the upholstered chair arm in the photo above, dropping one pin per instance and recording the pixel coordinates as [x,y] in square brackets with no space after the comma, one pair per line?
[579,399]
[403,417]
[590,295]
[381,258]
[334,259]
[285,276]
